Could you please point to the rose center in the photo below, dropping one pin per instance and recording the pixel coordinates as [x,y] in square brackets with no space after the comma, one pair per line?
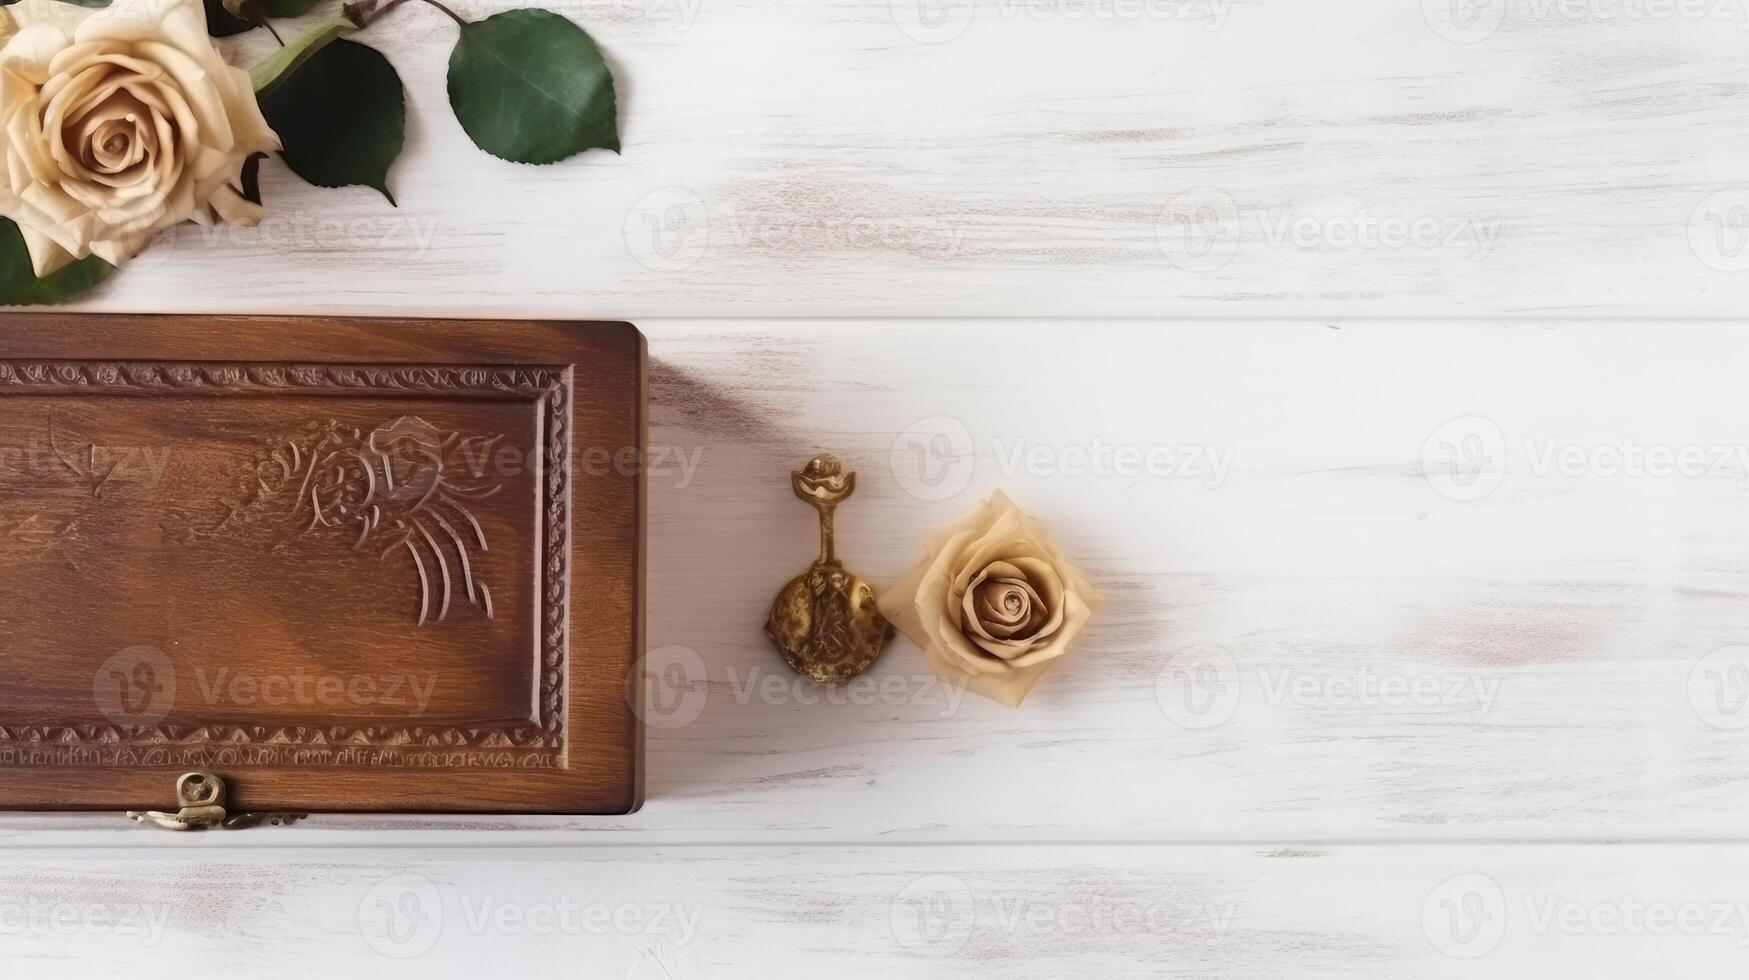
[1013,601]
[117,139]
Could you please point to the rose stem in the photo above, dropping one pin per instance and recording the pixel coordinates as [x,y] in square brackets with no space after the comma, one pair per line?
[365,12]
[452,14]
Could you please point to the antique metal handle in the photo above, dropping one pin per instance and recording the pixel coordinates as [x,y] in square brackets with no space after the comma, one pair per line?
[824,621]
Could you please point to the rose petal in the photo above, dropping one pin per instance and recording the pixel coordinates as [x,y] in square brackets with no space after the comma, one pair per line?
[1076,612]
[45,255]
[116,124]
[1042,576]
[1024,622]
[954,604]
[27,54]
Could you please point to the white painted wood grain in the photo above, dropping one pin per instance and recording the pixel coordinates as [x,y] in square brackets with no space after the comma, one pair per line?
[1068,158]
[1251,162]
[608,912]
[1560,660]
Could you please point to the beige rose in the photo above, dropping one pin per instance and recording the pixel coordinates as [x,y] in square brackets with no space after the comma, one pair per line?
[994,604]
[118,123]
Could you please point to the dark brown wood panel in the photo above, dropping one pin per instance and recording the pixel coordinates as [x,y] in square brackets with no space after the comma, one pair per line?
[348,565]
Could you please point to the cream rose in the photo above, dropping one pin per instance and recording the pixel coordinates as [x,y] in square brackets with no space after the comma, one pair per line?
[994,604]
[118,123]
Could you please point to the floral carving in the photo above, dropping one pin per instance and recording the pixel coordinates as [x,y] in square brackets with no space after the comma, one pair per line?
[404,488]
[265,498]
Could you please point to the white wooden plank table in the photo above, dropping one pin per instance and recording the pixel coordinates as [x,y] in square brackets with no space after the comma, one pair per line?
[1245,301]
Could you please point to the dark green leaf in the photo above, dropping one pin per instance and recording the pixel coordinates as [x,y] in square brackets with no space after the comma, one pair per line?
[289,8]
[251,177]
[530,86]
[19,286]
[341,117]
[221,22]
[227,17]
[270,70]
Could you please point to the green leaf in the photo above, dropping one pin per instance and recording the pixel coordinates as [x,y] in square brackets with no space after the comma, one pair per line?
[531,87]
[341,117]
[272,69]
[289,8]
[222,22]
[19,285]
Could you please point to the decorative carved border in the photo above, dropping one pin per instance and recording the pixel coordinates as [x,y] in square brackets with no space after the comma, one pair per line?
[547,387]
[228,377]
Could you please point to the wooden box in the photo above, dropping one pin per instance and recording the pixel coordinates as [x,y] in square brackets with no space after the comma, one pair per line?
[344,564]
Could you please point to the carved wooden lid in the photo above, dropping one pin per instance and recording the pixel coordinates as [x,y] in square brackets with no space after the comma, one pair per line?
[338,563]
